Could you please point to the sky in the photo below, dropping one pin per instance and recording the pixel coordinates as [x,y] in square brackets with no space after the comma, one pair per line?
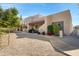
[30,9]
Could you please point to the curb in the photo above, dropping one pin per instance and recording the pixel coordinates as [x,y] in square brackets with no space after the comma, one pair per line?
[59,49]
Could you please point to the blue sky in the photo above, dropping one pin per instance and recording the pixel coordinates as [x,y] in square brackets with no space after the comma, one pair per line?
[30,9]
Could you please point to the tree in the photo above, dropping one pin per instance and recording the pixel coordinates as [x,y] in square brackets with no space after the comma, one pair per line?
[1,12]
[14,11]
[9,18]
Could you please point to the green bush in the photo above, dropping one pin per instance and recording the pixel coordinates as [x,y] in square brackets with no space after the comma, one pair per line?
[50,28]
[56,28]
[4,30]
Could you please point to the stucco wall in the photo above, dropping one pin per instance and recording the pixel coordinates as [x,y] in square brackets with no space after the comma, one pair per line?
[43,28]
[62,16]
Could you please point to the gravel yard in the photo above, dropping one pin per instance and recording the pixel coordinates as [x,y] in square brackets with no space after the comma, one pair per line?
[28,47]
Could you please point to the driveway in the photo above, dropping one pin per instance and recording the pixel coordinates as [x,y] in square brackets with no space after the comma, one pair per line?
[25,44]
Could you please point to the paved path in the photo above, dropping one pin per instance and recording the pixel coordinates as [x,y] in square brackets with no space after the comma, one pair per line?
[25,44]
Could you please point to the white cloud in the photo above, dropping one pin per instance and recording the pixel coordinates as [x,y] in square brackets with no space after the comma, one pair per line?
[23,17]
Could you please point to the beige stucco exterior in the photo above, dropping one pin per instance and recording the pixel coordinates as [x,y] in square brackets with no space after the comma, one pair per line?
[64,17]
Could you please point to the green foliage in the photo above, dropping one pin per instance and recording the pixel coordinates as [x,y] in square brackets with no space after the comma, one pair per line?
[50,28]
[56,28]
[9,18]
[4,30]
[1,12]
[14,11]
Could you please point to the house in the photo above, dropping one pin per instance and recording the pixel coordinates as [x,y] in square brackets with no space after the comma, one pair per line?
[40,22]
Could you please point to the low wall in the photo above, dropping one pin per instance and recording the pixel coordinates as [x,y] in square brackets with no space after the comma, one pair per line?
[4,40]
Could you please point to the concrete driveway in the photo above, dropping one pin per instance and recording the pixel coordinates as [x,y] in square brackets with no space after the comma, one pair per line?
[25,44]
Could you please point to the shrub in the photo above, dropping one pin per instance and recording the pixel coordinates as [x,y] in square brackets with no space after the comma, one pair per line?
[53,29]
[56,28]
[50,28]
